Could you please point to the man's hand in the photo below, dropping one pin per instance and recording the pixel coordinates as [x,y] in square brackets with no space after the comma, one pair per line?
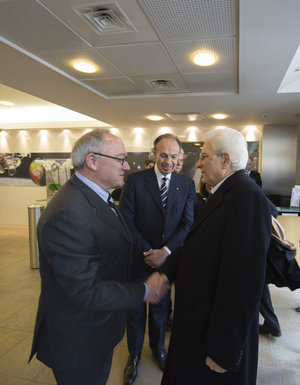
[214,366]
[158,285]
[155,257]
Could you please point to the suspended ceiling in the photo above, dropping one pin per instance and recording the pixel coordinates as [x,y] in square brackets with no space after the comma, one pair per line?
[144,60]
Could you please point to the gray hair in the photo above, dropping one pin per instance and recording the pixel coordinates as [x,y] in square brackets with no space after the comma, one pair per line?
[93,141]
[231,141]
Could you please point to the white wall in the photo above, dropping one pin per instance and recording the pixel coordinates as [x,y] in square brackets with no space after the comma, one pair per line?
[279,159]
[14,202]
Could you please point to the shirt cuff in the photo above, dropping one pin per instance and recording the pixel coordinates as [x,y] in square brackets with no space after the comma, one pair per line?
[167,250]
[146,292]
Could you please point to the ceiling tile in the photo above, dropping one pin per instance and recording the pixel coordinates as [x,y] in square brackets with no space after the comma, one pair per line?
[64,59]
[140,59]
[114,87]
[29,25]
[181,19]
[224,49]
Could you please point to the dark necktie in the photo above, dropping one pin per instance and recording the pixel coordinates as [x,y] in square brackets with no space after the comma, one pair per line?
[164,192]
[111,204]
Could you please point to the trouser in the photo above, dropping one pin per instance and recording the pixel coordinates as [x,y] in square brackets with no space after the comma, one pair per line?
[136,325]
[267,310]
[95,373]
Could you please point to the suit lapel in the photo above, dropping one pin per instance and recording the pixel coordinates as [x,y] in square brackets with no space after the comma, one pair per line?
[173,192]
[153,189]
[103,210]
[216,199]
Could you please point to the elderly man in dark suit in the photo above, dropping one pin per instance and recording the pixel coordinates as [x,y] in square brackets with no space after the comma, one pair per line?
[219,274]
[85,251]
[157,205]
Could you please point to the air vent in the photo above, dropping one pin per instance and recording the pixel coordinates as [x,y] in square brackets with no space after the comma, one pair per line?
[162,84]
[107,18]
[185,117]
[273,115]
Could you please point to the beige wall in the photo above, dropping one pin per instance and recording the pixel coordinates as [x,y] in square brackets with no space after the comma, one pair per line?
[14,202]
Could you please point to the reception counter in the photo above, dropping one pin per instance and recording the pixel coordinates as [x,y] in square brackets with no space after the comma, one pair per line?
[289,218]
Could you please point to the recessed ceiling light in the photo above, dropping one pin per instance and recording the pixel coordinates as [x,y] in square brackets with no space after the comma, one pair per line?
[83,66]
[219,116]
[154,117]
[204,59]
[5,103]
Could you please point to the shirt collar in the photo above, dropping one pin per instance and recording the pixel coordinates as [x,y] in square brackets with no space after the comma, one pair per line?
[159,175]
[214,189]
[94,186]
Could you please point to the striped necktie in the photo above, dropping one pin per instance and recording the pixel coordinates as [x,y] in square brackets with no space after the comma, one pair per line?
[164,192]
[111,204]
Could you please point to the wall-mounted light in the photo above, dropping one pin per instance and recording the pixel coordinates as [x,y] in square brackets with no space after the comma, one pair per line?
[138,130]
[6,103]
[44,138]
[164,130]
[114,131]
[251,133]
[3,141]
[84,66]
[192,134]
[87,130]
[204,59]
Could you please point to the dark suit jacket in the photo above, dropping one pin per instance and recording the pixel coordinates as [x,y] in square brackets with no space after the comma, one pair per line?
[256,176]
[219,275]
[150,227]
[85,252]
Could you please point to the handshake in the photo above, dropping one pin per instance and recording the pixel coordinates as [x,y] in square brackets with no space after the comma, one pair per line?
[158,285]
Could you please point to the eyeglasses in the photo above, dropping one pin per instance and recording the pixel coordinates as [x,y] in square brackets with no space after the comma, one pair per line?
[122,160]
[204,155]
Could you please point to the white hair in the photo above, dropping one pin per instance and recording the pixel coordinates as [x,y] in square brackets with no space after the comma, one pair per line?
[231,141]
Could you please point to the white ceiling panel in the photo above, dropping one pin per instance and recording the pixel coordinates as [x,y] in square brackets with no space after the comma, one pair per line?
[30,26]
[254,42]
[184,20]
[114,87]
[140,59]
[69,10]
[64,59]
[212,82]
[175,81]
[224,49]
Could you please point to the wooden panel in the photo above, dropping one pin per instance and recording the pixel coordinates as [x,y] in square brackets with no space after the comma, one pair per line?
[291,225]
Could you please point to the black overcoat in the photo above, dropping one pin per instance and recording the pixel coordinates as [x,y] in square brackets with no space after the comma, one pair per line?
[219,274]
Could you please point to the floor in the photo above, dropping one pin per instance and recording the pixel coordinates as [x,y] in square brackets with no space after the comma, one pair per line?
[279,358]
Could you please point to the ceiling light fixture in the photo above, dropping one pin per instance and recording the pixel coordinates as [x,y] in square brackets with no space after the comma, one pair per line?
[6,103]
[219,116]
[204,59]
[155,118]
[84,66]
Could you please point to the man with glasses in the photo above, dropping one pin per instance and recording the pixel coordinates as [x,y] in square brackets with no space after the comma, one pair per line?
[157,205]
[85,252]
[219,273]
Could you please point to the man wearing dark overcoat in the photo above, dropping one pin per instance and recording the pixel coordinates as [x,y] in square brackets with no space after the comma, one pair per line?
[219,274]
